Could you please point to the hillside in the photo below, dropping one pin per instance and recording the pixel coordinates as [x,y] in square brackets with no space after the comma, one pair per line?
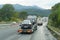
[34,10]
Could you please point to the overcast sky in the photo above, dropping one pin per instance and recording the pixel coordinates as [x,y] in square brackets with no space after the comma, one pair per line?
[46,4]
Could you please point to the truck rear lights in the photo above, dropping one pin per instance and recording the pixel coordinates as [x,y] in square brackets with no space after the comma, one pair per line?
[20,30]
[29,30]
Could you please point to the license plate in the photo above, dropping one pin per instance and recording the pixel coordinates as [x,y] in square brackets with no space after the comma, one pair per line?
[25,26]
[24,30]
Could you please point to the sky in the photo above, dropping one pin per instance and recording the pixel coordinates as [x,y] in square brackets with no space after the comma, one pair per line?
[46,4]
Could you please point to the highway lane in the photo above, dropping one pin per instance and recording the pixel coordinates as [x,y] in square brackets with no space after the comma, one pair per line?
[41,34]
[20,37]
[7,30]
[10,33]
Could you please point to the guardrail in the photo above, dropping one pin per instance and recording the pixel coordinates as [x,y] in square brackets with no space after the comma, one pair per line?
[54,31]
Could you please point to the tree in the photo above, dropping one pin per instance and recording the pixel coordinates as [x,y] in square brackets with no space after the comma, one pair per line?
[7,12]
[55,15]
[23,15]
[15,16]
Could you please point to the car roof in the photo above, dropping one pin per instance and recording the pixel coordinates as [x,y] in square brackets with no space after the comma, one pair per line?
[26,22]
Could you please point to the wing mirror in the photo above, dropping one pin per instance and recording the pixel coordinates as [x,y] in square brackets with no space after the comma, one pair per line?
[20,24]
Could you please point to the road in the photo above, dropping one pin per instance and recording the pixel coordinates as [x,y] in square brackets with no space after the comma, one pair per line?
[10,33]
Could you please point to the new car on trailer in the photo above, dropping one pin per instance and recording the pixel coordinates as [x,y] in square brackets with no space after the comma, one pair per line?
[27,27]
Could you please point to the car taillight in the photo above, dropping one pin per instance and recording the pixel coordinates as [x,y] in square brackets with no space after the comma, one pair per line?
[20,30]
[29,30]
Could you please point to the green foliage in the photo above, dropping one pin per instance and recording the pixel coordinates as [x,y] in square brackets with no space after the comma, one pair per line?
[23,15]
[8,13]
[55,16]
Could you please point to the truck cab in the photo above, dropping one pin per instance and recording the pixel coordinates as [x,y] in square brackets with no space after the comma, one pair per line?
[33,19]
[39,22]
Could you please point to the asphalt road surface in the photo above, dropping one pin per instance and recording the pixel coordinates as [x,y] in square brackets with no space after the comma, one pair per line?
[10,33]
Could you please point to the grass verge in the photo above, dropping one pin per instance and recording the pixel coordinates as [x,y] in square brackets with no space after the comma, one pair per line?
[55,31]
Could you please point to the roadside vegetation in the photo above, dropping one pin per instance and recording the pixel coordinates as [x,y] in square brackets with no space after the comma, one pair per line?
[8,14]
[54,21]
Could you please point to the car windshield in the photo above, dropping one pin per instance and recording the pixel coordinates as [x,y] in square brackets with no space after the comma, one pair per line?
[26,22]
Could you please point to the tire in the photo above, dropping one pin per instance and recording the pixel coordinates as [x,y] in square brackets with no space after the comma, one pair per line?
[33,30]
[36,28]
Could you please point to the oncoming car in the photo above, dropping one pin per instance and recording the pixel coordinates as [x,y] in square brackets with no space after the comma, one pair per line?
[14,24]
[27,27]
